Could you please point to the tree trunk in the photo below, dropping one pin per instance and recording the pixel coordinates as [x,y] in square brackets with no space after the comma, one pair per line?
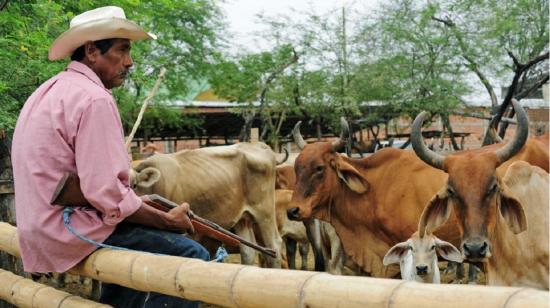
[318,128]
[447,123]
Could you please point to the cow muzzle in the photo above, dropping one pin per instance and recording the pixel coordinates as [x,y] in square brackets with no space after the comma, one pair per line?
[421,269]
[476,250]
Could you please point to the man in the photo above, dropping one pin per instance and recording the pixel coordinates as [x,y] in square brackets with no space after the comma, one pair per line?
[59,130]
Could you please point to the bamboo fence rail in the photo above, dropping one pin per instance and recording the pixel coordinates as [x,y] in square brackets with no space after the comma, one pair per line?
[23,292]
[235,285]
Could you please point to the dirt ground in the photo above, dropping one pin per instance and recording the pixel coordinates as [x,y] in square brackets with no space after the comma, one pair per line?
[83,288]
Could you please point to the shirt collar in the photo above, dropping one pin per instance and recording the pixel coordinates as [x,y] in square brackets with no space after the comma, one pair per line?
[86,71]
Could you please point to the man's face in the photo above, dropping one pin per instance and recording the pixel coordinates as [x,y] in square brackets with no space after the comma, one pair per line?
[113,66]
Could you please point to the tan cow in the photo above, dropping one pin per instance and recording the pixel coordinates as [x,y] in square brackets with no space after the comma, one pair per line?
[233,186]
[487,212]
[522,259]
[292,232]
[373,203]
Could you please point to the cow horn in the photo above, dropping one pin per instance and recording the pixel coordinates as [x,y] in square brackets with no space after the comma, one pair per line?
[428,156]
[298,139]
[520,137]
[344,133]
[284,159]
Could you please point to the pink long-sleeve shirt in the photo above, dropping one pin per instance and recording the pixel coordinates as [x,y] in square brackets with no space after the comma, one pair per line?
[69,124]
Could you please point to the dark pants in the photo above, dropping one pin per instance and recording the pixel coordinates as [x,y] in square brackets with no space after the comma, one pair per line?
[142,238]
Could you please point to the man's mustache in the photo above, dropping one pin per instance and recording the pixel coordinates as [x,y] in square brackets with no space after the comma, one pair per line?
[124,73]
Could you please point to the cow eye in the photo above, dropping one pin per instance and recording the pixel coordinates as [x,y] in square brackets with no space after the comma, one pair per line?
[450,191]
[319,168]
[433,247]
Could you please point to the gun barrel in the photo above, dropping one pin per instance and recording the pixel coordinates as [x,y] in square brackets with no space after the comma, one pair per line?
[170,204]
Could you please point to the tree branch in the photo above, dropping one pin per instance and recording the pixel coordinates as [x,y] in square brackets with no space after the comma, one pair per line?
[535,86]
[4,5]
[274,74]
[473,66]
[481,116]
[522,94]
[519,69]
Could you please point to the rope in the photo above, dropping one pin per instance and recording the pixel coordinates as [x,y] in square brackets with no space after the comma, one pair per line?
[67,211]
[221,253]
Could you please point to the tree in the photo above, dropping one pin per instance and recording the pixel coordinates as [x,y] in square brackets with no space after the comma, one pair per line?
[252,78]
[188,34]
[413,61]
[512,46]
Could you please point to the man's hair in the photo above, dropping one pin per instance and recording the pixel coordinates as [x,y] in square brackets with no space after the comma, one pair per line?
[102,45]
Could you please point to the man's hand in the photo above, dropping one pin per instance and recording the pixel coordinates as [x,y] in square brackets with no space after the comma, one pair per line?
[178,218]
[157,216]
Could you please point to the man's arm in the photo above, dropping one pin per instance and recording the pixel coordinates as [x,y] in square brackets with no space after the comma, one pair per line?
[176,219]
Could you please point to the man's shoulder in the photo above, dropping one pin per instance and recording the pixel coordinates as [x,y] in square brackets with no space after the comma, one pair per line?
[78,82]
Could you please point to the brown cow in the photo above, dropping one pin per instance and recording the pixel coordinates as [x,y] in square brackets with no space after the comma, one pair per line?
[481,202]
[233,186]
[327,247]
[373,203]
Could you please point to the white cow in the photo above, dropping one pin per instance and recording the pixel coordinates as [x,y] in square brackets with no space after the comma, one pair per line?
[417,257]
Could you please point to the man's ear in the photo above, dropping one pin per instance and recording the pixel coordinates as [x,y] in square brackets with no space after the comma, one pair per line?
[91,51]
[148,177]
[350,176]
[435,213]
[396,253]
[511,210]
[448,251]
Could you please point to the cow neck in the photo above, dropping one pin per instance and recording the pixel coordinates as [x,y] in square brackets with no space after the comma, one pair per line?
[364,248]
[503,243]
[369,254]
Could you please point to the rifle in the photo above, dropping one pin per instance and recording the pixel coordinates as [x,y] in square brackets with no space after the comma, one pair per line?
[68,193]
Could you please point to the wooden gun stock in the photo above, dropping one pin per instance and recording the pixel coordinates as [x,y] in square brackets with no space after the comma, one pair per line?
[68,193]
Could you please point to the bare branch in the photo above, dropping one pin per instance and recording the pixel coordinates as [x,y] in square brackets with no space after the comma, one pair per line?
[516,62]
[481,116]
[522,94]
[535,86]
[274,74]
[519,69]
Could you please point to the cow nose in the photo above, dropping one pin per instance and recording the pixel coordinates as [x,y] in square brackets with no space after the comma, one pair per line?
[293,213]
[421,269]
[475,250]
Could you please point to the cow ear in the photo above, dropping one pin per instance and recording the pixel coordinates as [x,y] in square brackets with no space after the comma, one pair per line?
[512,211]
[353,179]
[148,177]
[448,251]
[396,253]
[435,213]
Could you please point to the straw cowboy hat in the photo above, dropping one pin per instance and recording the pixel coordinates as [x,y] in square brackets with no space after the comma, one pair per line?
[97,24]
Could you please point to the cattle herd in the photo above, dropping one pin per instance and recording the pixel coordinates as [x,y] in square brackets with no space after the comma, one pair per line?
[395,213]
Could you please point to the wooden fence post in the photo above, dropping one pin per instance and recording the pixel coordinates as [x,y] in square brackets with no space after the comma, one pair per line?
[7,207]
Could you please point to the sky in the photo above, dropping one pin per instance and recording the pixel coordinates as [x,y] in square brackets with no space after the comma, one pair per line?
[243,22]
[241,14]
